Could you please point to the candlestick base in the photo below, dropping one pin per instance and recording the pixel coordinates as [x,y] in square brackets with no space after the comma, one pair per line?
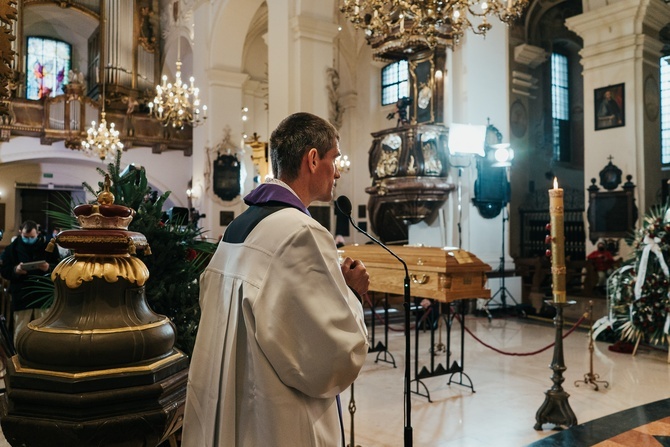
[556,409]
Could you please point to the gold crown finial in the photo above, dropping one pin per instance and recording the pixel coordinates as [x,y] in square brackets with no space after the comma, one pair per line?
[106,197]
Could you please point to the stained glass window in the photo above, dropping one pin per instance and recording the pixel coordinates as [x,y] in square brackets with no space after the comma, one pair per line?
[47,67]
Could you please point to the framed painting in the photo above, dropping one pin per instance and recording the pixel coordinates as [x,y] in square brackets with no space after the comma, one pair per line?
[609,107]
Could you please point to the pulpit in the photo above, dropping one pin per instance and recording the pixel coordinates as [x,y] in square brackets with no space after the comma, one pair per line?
[409,164]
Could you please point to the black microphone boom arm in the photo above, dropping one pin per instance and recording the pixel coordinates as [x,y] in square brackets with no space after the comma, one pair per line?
[343,204]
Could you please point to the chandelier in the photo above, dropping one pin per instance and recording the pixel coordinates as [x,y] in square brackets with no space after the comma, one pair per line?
[427,22]
[177,103]
[343,164]
[102,141]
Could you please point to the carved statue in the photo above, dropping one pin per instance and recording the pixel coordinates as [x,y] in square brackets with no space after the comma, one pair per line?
[335,109]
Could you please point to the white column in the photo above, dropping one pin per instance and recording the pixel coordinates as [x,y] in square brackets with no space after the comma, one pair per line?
[280,62]
[313,54]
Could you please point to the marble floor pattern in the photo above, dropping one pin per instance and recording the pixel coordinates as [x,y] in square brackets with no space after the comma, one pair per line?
[508,389]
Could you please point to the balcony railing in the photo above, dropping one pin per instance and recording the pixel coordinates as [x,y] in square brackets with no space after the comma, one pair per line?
[67,117]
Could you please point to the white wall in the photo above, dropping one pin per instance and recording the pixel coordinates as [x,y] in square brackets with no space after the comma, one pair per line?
[24,160]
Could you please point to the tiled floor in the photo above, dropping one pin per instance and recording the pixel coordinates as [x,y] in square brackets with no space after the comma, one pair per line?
[509,389]
[625,428]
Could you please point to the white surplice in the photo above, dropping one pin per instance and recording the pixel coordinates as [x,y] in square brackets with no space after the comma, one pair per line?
[280,336]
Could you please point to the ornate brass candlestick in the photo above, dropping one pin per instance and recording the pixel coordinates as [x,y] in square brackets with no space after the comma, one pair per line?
[556,409]
[591,377]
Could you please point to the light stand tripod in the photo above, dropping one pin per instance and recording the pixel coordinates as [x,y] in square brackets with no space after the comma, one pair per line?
[503,291]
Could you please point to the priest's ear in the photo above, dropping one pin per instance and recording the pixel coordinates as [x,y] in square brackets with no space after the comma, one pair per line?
[312,159]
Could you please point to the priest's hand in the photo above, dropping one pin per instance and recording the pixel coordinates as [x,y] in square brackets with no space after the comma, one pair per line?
[356,275]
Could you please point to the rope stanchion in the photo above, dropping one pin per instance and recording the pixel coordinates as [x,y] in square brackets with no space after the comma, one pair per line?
[521,354]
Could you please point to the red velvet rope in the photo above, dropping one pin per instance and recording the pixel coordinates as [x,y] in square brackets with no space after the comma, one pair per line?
[572,329]
[428,311]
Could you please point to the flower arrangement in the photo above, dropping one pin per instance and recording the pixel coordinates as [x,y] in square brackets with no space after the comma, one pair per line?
[639,291]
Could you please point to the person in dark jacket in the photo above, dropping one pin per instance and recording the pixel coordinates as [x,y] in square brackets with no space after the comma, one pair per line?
[20,265]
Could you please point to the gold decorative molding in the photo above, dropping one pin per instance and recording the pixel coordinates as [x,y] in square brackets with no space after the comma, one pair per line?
[174,357]
[97,220]
[114,330]
[77,269]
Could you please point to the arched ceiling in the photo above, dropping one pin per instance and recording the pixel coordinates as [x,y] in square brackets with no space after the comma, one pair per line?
[232,22]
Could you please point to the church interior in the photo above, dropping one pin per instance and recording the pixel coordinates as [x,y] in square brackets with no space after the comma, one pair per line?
[498,148]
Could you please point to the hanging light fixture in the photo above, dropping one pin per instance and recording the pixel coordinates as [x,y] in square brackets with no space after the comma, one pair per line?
[102,141]
[343,164]
[177,103]
[426,23]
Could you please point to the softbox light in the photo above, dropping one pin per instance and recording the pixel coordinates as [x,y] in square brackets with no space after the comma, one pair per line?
[466,139]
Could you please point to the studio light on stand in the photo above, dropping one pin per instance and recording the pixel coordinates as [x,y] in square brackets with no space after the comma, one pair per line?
[502,155]
[465,141]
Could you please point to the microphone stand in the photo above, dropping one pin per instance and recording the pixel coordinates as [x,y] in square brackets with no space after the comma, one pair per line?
[408,435]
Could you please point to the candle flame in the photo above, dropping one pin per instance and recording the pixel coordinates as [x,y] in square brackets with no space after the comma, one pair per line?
[555,183]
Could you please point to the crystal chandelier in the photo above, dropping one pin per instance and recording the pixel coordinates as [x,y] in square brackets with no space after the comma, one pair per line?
[102,141]
[427,22]
[177,104]
[343,164]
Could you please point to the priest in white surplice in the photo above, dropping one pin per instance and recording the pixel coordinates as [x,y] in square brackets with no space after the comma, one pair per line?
[282,330]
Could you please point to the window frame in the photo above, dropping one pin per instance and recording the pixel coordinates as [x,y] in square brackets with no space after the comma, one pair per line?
[66,68]
[664,115]
[399,81]
[560,132]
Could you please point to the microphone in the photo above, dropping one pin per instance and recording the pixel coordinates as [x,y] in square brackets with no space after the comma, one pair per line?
[343,204]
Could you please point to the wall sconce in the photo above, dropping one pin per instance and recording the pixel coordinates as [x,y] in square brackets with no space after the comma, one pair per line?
[193,192]
[343,164]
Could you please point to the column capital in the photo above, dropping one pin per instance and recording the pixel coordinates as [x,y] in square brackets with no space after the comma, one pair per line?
[620,19]
[224,78]
[311,28]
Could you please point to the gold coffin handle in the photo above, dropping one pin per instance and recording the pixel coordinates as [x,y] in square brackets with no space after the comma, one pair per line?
[424,279]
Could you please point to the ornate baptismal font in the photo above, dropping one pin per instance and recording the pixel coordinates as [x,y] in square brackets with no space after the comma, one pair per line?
[100,369]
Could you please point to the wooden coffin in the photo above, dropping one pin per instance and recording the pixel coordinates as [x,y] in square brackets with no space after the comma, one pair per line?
[442,274]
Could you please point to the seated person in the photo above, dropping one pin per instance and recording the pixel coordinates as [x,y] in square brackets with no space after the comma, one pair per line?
[603,262]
